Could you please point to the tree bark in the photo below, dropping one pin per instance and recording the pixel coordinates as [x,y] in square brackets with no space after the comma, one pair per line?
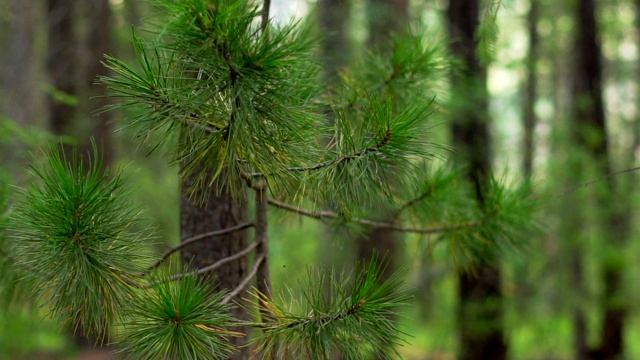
[480,313]
[216,212]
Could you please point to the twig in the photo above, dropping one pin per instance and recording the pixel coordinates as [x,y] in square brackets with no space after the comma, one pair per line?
[213,266]
[339,160]
[245,281]
[197,238]
[378,224]
[262,238]
[591,182]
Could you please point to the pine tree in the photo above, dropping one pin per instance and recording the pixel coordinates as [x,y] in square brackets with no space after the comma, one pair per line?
[237,102]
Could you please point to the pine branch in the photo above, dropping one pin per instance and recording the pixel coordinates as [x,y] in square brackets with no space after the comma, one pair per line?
[198,238]
[245,281]
[340,160]
[372,223]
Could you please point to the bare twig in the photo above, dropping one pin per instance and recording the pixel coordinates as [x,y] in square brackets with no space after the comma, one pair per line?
[378,224]
[213,266]
[200,237]
[601,178]
[245,281]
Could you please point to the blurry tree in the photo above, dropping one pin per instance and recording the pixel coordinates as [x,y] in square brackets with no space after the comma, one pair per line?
[480,310]
[62,60]
[530,88]
[590,131]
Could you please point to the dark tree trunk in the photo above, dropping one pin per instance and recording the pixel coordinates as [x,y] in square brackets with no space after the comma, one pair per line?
[386,18]
[98,43]
[219,211]
[530,90]
[480,326]
[61,65]
[333,16]
[591,136]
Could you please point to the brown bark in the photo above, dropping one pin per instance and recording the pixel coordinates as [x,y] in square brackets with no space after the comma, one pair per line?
[218,211]
[480,326]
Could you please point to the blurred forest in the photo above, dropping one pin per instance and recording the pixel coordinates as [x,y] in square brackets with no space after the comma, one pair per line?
[559,81]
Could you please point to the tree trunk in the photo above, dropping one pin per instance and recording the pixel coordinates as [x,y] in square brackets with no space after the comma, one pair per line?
[591,136]
[530,90]
[386,18]
[333,16]
[218,211]
[480,326]
[61,66]
[98,43]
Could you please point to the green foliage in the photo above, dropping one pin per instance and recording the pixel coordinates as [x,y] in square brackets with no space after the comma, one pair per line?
[353,318]
[233,97]
[487,32]
[475,233]
[181,319]
[72,231]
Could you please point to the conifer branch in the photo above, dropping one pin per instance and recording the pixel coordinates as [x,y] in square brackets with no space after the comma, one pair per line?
[197,238]
[372,223]
[245,281]
[343,159]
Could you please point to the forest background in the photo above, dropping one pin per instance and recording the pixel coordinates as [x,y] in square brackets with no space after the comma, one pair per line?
[555,290]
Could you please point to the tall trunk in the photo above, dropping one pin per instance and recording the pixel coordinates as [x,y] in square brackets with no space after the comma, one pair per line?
[591,136]
[386,18]
[218,211]
[333,16]
[98,43]
[530,89]
[61,65]
[480,321]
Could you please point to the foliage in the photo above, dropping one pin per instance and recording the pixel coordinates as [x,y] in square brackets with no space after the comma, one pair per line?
[178,320]
[235,103]
[339,315]
[73,234]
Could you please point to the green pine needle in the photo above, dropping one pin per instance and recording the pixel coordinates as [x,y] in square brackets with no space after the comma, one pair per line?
[355,318]
[74,230]
[181,320]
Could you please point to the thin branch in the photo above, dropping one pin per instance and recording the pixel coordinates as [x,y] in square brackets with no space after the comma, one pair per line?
[200,237]
[378,224]
[215,265]
[339,160]
[245,281]
[601,178]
